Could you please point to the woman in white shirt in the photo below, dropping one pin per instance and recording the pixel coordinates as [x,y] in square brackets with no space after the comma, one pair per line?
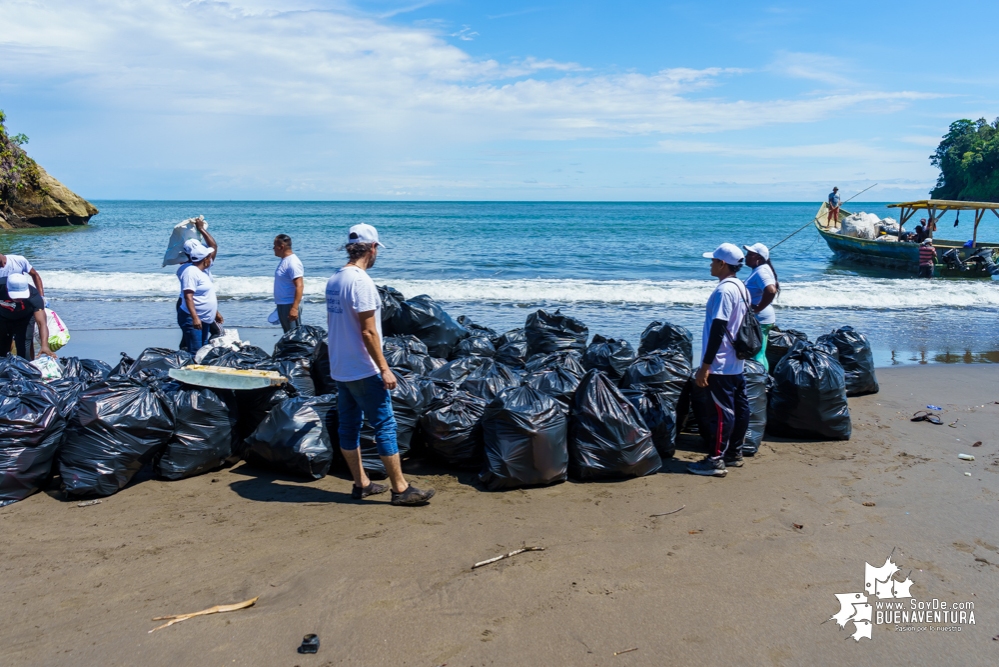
[198,306]
[763,289]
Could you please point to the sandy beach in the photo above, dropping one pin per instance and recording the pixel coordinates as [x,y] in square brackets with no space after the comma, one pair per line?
[729,579]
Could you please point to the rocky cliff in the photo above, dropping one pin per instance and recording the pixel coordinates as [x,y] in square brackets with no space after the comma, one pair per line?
[45,202]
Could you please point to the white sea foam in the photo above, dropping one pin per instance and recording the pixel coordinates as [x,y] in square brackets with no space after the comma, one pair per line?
[840,292]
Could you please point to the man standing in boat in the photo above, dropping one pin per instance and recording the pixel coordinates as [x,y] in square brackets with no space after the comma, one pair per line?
[832,219]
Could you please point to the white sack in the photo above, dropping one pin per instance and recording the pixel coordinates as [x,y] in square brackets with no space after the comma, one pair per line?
[181,232]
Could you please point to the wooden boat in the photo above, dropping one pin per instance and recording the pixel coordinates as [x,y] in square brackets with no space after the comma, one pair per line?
[904,255]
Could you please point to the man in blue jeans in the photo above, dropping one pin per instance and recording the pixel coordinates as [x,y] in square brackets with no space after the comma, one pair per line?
[363,377]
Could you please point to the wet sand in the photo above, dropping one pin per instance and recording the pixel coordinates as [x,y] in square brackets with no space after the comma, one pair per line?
[729,579]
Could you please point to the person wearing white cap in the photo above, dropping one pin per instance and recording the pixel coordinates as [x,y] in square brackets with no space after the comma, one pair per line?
[198,305]
[763,288]
[11,264]
[363,377]
[724,408]
[21,304]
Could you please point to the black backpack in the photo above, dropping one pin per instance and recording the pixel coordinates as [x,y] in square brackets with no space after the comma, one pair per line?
[749,338]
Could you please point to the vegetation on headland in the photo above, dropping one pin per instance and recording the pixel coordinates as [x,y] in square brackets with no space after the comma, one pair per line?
[968,158]
[17,170]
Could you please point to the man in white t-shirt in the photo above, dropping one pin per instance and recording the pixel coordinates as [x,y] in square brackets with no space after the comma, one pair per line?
[724,408]
[289,283]
[17,264]
[763,289]
[364,380]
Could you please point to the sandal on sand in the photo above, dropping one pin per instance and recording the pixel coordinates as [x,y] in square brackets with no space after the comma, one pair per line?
[923,415]
[357,493]
[933,419]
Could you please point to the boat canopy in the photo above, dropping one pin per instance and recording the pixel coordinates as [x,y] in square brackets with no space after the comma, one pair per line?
[937,207]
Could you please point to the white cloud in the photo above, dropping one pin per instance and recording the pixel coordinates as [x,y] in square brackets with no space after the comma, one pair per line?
[326,62]
[812,66]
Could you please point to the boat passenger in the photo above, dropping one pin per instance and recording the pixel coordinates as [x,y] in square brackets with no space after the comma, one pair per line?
[763,288]
[927,258]
[197,307]
[832,219]
[922,231]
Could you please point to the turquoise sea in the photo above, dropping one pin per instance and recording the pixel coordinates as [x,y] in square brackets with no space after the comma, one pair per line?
[616,266]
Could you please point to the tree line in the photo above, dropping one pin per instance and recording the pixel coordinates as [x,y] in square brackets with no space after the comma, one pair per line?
[968,159]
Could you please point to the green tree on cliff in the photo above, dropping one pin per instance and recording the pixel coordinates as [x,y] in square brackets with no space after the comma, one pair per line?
[968,158]
[17,170]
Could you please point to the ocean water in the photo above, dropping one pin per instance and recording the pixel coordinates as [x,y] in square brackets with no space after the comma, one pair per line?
[616,266]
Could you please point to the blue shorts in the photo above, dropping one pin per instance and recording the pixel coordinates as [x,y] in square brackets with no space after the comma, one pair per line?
[366,399]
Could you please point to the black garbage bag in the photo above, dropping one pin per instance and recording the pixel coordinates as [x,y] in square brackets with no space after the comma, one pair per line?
[247,356]
[511,336]
[475,346]
[391,306]
[298,371]
[294,439]
[607,436]
[88,370]
[571,360]
[664,370]
[476,329]
[550,332]
[253,406]
[756,391]
[666,336]
[451,428]
[433,363]
[658,411]
[302,342]
[31,429]
[203,436]
[779,343]
[408,405]
[159,359]
[121,368]
[513,354]
[456,371]
[856,358]
[610,355]
[422,317]
[119,426]
[434,389]
[489,379]
[559,382]
[407,352]
[808,398]
[69,390]
[13,367]
[525,433]
[321,378]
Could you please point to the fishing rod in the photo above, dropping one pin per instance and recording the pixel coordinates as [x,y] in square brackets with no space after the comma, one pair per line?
[817,217]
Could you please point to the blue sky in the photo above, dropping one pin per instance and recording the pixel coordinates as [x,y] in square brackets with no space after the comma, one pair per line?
[323,99]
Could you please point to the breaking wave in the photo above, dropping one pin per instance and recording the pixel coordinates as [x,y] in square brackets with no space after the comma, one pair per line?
[838,293]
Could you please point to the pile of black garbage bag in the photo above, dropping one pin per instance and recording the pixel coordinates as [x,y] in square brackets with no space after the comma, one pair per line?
[531,406]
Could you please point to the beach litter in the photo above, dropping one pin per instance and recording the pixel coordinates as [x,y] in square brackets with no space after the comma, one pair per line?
[310,644]
[89,503]
[798,526]
[869,504]
[217,609]
[627,650]
[933,407]
[978,443]
[509,555]
[967,474]
[668,513]
[966,457]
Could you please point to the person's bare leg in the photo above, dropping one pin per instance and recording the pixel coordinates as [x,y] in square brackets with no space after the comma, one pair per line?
[393,466]
[353,458]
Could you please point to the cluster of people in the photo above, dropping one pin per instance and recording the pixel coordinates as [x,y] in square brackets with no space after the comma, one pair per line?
[724,410]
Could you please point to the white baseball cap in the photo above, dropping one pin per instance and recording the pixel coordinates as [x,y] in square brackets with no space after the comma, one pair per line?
[759,249]
[17,286]
[728,253]
[196,250]
[363,233]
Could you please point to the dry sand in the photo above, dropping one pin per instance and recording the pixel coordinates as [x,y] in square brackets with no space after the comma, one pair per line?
[728,580]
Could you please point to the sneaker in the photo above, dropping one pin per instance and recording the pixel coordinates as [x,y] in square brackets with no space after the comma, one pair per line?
[412,496]
[734,462]
[357,493]
[708,466]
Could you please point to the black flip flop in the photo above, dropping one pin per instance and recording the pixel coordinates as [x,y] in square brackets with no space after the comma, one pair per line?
[920,416]
[933,419]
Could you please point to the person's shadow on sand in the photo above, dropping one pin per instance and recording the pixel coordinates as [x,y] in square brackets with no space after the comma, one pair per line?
[263,486]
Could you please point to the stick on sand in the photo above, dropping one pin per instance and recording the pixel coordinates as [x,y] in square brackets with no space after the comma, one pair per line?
[217,609]
[668,513]
[512,553]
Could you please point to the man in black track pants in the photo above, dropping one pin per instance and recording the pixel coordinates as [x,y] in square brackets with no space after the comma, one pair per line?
[724,410]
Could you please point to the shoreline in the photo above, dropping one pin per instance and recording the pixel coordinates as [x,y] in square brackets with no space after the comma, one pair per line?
[729,579]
